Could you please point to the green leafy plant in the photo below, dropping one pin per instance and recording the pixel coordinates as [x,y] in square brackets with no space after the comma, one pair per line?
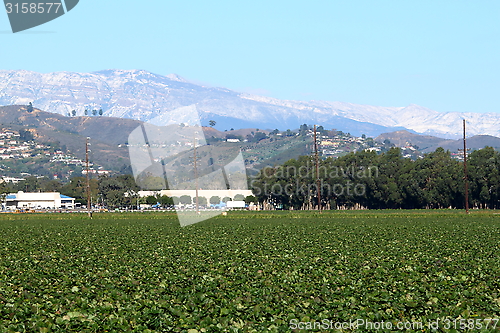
[245,272]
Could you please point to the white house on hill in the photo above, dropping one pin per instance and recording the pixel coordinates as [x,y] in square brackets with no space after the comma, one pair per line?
[51,200]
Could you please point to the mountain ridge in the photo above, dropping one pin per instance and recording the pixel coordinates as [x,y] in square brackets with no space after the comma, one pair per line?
[142,95]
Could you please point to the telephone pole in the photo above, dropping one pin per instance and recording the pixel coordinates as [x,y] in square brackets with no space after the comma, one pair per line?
[317,169]
[466,177]
[196,175]
[89,208]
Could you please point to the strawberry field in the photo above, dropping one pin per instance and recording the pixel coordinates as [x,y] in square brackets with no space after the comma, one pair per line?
[249,272]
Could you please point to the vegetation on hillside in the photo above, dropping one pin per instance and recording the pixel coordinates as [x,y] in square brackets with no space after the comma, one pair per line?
[69,134]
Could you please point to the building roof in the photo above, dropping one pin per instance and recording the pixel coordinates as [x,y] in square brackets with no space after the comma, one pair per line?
[37,196]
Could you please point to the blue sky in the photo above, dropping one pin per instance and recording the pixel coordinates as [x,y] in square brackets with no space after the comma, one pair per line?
[439,54]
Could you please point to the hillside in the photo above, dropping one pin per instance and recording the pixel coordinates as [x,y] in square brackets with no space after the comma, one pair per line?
[475,142]
[403,138]
[109,137]
[427,143]
[70,133]
[109,141]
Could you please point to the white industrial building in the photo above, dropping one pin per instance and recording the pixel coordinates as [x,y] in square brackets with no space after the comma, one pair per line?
[201,193]
[42,200]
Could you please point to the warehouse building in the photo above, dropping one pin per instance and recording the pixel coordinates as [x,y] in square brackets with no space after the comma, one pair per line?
[42,200]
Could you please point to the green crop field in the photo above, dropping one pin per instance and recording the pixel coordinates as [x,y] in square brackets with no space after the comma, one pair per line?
[249,272]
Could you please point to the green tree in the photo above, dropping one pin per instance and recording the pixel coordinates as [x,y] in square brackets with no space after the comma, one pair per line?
[100,112]
[77,188]
[29,108]
[25,135]
[388,191]
[151,200]
[215,200]
[239,197]
[380,181]
[440,179]
[185,200]
[370,142]
[166,201]
[30,184]
[303,129]
[484,176]
[5,189]
[202,201]
[258,137]
[53,185]
[250,198]
[73,113]
[113,189]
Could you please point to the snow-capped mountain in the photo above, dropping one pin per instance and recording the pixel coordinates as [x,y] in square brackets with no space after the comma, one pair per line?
[142,95]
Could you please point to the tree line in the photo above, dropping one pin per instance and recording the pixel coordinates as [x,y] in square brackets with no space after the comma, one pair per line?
[119,191]
[357,180]
[378,181]
[105,191]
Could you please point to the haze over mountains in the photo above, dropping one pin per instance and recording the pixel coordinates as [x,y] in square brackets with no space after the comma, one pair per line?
[141,95]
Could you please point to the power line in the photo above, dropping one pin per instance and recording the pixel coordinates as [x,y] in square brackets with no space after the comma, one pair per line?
[317,169]
[466,177]
[89,208]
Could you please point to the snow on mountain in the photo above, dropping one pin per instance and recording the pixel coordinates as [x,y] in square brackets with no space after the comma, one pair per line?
[138,94]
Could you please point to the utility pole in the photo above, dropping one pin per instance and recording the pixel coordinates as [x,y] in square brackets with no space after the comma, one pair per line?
[466,178]
[89,208]
[317,168]
[196,175]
